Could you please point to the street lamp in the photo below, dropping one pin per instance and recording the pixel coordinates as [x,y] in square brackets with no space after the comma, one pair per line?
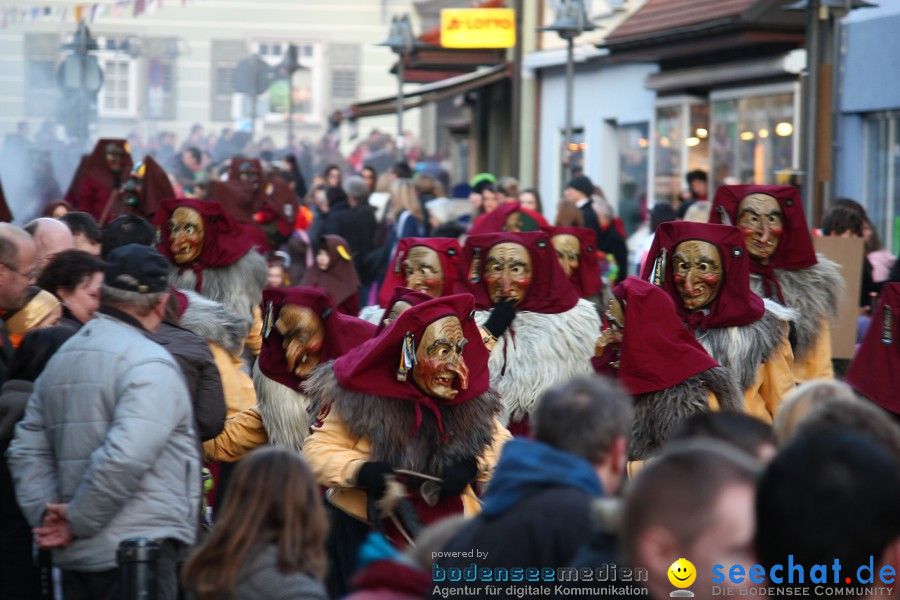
[821,19]
[287,68]
[571,21]
[403,42]
[80,78]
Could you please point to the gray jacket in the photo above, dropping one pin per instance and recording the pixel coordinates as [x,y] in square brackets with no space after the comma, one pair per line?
[260,578]
[109,430]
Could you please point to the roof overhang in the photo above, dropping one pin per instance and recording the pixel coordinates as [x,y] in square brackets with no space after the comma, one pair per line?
[432,92]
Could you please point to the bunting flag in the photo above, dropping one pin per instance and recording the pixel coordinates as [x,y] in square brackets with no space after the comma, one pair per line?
[28,12]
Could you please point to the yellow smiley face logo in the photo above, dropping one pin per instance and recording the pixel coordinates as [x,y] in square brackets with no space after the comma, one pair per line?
[682,573]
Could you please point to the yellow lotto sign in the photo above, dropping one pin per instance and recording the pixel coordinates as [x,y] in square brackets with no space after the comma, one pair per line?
[478,28]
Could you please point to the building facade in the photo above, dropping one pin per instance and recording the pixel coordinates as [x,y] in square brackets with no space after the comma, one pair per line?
[868,121]
[172,67]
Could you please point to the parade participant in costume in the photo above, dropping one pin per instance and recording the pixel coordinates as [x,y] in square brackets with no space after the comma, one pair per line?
[279,210]
[301,329]
[408,422]
[243,196]
[509,216]
[577,253]
[785,268]
[210,255]
[706,271]
[333,272]
[875,370]
[647,348]
[140,194]
[552,333]
[98,175]
[403,299]
[429,265]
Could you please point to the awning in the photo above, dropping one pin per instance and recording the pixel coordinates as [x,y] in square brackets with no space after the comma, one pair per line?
[431,92]
[791,63]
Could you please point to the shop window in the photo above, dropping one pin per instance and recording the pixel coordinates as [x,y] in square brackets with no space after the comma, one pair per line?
[754,137]
[680,144]
[634,151]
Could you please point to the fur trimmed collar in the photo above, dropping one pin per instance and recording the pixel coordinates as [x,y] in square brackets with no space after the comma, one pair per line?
[284,412]
[388,422]
[815,293]
[540,350]
[215,322]
[237,286]
[656,414]
[743,349]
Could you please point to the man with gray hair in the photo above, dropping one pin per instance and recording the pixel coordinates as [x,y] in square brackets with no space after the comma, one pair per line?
[537,508]
[17,272]
[106,450]
[360,229]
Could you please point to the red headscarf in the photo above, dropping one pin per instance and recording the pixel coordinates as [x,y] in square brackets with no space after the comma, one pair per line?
[342,332]
[587,277]
[339,279]
[224,242]
[411,297]
[735,304]
[875,371]
[94,165]
[155,186]
[495,221]
[448,251]
[237,161]
[372,367]
[657,352]
[550,291]
[795,249]
[280,206]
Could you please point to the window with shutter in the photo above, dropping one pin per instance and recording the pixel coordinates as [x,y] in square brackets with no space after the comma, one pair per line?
[225,56]
[41,92]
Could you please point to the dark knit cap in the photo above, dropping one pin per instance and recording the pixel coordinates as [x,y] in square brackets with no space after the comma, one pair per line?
[583,184]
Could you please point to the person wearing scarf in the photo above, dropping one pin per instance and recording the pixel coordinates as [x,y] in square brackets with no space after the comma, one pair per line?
[209,254]
[646,347]
[140,194]
[509,216]
[785,268]
[403,299]
[302,329]
[99,174]
[875,370]
[409,415]
[333,271]
[552,334]
[429,265]
[42,309]
[705,269]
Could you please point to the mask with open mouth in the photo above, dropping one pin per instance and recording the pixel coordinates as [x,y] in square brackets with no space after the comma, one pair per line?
[303,335]
[186,235]
[440,370]
[697,271]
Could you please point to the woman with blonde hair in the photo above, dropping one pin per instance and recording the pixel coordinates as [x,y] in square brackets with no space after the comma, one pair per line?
[406,210]
[269,540]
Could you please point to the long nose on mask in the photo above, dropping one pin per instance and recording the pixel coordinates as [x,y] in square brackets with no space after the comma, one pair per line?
[462,372]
